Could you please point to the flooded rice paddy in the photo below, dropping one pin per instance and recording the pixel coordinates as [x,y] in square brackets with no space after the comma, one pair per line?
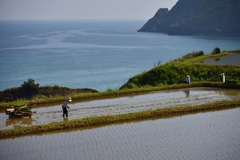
[231,59]
[211,135]
[154,100]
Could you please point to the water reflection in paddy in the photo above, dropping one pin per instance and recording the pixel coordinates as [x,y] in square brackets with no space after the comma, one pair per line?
[154,100]
[231,59]
[211,135]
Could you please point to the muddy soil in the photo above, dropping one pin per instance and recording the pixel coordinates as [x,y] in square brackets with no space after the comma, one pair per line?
[154,100]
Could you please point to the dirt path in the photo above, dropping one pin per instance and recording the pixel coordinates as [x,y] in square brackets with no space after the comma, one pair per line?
[154,100]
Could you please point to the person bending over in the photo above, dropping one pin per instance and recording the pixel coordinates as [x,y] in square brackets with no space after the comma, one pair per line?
[65,106]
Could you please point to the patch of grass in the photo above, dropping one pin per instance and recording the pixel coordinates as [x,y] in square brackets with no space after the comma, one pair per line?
[121,118]
[17,103]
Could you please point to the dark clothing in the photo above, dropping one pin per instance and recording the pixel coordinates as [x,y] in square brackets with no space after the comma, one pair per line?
[65,106]
[65,111]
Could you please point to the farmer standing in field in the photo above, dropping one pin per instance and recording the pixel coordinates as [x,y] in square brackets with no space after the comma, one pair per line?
[187,80]
[65,106]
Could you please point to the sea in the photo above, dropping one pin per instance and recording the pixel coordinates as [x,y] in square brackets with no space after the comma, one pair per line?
[96,54]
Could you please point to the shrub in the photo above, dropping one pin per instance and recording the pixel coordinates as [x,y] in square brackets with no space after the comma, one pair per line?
[190,55]
[42,97]
[216,51]
[29,89]
[109,90]
[130,85]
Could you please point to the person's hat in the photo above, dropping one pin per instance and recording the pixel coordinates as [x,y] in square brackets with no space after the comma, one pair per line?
[69,99]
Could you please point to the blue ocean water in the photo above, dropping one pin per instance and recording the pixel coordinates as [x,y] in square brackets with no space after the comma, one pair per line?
[89,54]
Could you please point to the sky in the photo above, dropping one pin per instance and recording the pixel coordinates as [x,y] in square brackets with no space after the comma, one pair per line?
[81,9]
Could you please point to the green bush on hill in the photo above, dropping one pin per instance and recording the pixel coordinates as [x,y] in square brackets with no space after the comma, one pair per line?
[190,56]
[216,51]
[29,89]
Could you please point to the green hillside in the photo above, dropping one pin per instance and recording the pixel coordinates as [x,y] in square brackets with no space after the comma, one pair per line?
[174,72]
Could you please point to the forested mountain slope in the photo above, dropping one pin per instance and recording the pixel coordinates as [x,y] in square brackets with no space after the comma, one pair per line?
[197,17]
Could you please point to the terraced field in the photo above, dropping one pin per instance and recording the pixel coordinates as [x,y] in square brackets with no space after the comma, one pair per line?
[155,100]
[211,135]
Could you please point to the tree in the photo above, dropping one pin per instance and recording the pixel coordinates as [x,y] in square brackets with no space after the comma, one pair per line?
[216,50]
[29,89]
